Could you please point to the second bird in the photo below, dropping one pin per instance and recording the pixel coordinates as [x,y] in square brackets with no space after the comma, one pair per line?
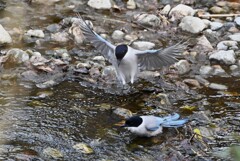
[128,61]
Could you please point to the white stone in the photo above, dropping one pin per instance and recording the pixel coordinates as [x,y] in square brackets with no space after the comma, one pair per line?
[143,45]
[235,37]
[131,4]
[100,4]
[206,22]
[237,21]
[204,44]
[183,66]
[216,25]
[99,58]
[228,57]
[206,70]
[225,45]
[217,86]
[35,33]
[148,19]
[5,37]
[192,24]
[181,11]
[117,35]
[166,10]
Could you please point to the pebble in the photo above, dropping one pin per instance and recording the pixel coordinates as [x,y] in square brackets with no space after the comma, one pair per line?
[131,4]
[143,45]
[83,65]
[226,45]
[192,82]
[217,86]
[192,24]
[98,58]
[235,37]
[205,70]
[203,44]
[100,4]
[148,19]
[216,25]
[237,21]
[108,71]
[17,56]
[5,37]
[53,28]
[164,99]
[228,57]
[217,10]
[46,84]
[181,11]
[233,67]
[218,71]
[60,37]
[202,81]
[117,35]
[35,33]
[182,66]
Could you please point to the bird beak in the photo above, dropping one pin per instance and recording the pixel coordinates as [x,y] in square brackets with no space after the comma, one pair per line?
[121,124]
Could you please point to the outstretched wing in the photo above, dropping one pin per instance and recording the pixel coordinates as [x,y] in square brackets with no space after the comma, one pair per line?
[102,45]
[156,59]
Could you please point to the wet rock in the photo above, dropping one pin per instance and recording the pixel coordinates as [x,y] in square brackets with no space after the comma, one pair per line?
[216,25]
[100,4]
[237,21]
[192,24]
[130,37]
[46,84]
[94,72]
[25,157]
[224,153]
[83,65]
[44,94]
[219,71]
[203,44]
[143,45]
[99,58]
[206,70]
[227,45]
[63,54]
[211,35]
[192,82]
[201,116]
[117,35]
[228,57]
[38,60]
[83,148]
[131,4]
[182,66]
[148,19]
[35,33]
[166,10]
[108,72]
[60,37]
[207,132]
[52,153]
[53,28]
[2,5]
[5,37]
[164,100]
[148,74]
[202,81]
[235,37]
[181,11]
[30,75]
[14,57]
[217,86]
[233,67]
[217,10]
[123,112]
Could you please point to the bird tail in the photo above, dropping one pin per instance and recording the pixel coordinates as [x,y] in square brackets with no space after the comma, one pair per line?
[173,121]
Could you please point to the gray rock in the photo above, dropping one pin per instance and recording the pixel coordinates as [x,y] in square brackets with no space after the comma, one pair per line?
[118,35]
[218,10]
[53,28]
[83,148]
[183,66]
[148,74]
[148,19]
[211,35]
[181,11]
[109,71]
[219,71]
[166,10]
[206,22]
[202,81]
[237,21]
[83,65]
[233,67]
[143,45]
[46,84]
[131,4]
[130,37]
[228,57]
[226,45]
[217,86]
[203,44]
[5,37]
[216,25]
[192,82]
[100,4]
[61,37]
[235,37]
[192,24]
[17,56]
[35,33]
[98,58]
[206,70]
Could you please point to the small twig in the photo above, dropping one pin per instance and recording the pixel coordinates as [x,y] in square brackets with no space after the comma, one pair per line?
[218,15]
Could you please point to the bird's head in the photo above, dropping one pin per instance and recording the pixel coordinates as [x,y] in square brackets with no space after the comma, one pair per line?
[121,51]
[134,121]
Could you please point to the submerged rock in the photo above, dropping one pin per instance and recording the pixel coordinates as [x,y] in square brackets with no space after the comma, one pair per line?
[5,37]
[123,112]
[83,148]
[192,24]
[52,153]
[228,57]
[100,4]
